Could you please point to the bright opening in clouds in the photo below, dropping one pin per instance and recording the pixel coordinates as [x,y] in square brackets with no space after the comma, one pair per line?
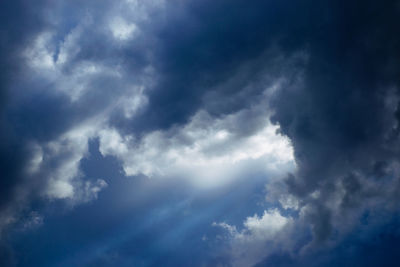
[206,151]
[199,133]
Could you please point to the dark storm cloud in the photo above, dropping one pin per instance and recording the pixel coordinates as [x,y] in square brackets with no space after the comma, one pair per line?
[18,22]
[377,246]
[206,52]
[341,120]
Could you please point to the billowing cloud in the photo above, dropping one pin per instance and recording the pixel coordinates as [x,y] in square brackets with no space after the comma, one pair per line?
[213,95]
[207,151]
[260,237]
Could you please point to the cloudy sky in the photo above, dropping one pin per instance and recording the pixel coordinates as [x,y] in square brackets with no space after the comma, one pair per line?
[199,133]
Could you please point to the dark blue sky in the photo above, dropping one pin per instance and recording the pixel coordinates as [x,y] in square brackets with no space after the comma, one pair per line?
[199,133]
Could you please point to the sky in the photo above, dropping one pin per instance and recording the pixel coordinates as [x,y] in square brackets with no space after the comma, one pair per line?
[199,133]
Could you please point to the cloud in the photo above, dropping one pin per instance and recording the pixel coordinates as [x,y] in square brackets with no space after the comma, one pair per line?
[341,118]
[54,105]
[121,30]
[83,78]
[13,154]
[207,92]
[260,237]
[208,151]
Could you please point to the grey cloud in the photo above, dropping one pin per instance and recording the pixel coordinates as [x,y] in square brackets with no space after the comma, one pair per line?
[340,119]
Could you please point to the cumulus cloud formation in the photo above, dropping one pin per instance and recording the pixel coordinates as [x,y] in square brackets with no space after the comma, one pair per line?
[291,106]
[206,150]
[260,237]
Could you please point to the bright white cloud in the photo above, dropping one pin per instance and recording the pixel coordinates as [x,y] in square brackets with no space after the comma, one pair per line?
[266,226]
[260,237]
[206,151]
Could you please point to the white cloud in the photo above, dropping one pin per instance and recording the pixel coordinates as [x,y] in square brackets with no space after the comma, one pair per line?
[47,63]
[260,237]
[266,226]
[206,151]
[123,30]
[39,53]
[61,160]
[59,189]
